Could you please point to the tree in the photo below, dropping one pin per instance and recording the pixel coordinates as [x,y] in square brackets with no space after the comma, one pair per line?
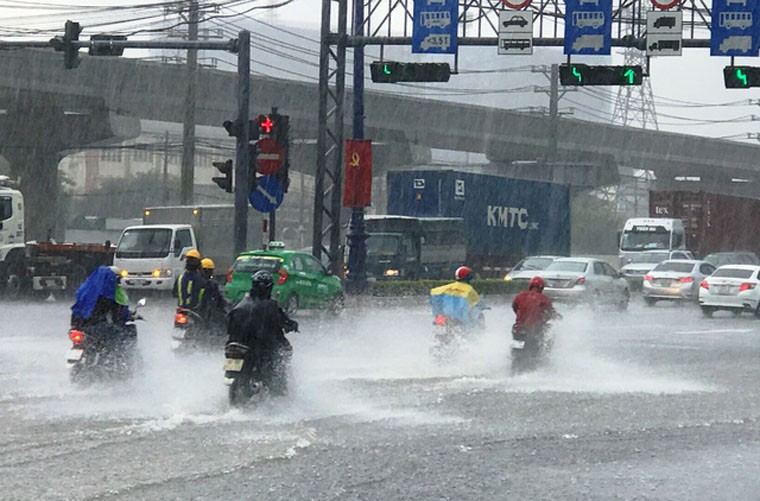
[594,225]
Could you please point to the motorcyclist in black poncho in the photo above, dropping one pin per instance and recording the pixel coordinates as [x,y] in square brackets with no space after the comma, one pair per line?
[260,323]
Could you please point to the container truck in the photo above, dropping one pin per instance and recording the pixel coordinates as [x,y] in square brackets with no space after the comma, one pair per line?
[712,222]
[40,268]
[504,219]
[150,255]
[403,247]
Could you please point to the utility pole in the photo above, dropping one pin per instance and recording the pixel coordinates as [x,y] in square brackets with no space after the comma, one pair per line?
[356,281]
[188,125]
[242,154]
[165,176]
[553,112]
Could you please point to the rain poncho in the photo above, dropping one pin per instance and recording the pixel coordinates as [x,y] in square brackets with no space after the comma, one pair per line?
[101,283]
[455,300]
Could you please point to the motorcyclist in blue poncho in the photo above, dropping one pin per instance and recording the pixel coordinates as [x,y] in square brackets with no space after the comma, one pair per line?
[101,300]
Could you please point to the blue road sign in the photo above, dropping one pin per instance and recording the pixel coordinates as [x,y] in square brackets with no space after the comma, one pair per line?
[435,26]
[268,194]
[588,27]
[734,28]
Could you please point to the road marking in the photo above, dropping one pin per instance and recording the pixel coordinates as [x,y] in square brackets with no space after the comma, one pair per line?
[715,331]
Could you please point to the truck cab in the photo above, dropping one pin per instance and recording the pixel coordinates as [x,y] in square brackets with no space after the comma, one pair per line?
[150,256]
[11,220]
[642,234]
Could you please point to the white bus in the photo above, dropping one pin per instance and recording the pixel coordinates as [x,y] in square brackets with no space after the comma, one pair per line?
[649,233]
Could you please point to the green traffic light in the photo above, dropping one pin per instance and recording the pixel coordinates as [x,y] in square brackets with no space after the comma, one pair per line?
[386,70]
[630,75]
[577,74]
[740,75]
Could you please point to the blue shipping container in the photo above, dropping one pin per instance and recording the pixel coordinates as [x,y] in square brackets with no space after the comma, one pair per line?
[505,219]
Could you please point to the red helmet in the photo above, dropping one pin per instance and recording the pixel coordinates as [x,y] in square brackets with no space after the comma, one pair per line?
[463,273]
[536,283]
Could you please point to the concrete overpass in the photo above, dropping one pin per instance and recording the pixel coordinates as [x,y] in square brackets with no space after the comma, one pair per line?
[107,94]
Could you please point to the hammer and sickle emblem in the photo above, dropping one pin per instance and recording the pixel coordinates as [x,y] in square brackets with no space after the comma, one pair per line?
[355,159]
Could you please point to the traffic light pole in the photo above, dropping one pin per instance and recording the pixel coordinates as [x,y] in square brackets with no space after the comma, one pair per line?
[242,155]
[356,280]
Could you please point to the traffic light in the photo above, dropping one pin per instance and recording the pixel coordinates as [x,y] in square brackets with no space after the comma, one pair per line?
[393,71]
[741,77]
[70,50]
[281,134]
[225,168]
[265,125]
[583,74]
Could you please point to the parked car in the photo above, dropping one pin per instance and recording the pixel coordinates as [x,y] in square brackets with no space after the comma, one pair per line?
[677,279]
[300,280]
[723,258]
[644,262]
[586,280]
[731,288]
[529,267]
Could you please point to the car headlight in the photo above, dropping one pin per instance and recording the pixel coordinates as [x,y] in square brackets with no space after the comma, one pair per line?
[158,273]
[508,277]
[390,273]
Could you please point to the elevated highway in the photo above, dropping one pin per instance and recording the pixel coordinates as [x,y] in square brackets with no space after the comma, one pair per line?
[109,94]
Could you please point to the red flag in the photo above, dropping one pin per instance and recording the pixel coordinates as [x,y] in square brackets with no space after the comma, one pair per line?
[357,187]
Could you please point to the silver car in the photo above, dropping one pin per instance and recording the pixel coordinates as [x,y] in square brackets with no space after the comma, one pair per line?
[529,267]
[677,279]
[644,262]
[586,280]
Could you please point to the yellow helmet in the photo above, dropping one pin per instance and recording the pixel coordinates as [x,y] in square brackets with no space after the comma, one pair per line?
[193,253]
[207,263]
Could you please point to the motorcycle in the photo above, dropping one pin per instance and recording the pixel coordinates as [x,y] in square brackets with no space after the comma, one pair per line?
[530,348]
[451,334]
[98,352]
[192,331]
[241,374]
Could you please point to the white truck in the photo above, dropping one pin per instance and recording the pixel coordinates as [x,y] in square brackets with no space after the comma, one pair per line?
[40,268]
[150,255]
[642,234]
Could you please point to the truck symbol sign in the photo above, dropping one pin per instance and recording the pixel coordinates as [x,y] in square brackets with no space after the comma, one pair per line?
[737,43]
[436,42]
[594,42]
[665,44]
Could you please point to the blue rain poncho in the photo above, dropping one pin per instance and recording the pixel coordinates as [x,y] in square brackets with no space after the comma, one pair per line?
[101,282]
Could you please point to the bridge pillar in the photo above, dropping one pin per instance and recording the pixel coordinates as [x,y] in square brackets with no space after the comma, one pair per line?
[38,170]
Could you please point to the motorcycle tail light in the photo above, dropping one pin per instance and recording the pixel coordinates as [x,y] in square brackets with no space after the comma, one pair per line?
[647,278]
[686,280]
[746,286]
[440,320]
[283,276]
[76,336]
[704,284]
[180,318]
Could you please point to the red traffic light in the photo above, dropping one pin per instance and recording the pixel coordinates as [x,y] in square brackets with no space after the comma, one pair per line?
[265,124]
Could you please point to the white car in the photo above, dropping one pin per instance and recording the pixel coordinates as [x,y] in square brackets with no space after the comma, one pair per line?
[733,288]
[585,280]
[677,279]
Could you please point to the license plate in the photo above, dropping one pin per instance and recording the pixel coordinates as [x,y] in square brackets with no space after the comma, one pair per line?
[178,334]
[517,345]
[233,364]
[74,355]
[722,289]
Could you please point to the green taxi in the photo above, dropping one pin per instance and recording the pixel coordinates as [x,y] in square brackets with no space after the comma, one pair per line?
[300,280]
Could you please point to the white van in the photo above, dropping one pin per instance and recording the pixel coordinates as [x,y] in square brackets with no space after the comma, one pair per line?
[150,256]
